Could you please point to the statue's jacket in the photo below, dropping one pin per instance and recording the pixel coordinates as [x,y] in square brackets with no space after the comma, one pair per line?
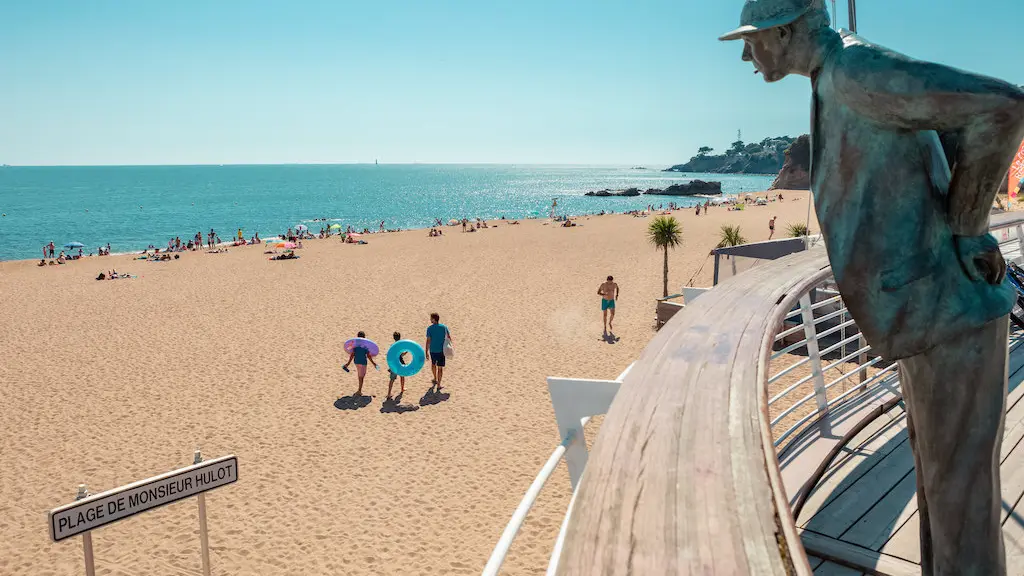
[881,186]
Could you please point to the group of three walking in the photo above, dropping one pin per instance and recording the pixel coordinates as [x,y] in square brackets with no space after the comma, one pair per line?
[438,345]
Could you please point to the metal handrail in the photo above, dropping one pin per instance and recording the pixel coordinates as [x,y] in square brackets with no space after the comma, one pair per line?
[515,524]
[860,389]
[519,516]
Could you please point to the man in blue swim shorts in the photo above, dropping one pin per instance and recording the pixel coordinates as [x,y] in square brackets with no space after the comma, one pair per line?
[436,335]
[609,292]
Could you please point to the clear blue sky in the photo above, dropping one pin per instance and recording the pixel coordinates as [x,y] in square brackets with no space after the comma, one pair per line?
[510,81]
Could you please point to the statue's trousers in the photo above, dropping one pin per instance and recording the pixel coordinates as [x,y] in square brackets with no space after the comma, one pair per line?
[955,395]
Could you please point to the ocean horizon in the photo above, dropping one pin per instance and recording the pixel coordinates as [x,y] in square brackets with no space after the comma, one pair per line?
[131,207]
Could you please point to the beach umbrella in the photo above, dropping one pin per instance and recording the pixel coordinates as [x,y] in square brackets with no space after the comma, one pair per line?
[453,221]
[335,226]
[74,245]
[355,235]
[301,228]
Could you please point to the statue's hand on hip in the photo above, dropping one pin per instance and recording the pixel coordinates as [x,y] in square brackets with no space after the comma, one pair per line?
[980,258]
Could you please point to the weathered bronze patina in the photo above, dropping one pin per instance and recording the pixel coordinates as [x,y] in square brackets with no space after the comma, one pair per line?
[906,159]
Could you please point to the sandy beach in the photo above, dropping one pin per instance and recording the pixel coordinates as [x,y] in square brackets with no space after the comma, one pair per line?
[109,382]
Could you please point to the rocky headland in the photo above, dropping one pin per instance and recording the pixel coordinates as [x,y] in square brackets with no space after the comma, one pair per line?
[795,171]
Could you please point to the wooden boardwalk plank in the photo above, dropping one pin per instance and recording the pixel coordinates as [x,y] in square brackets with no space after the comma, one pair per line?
[906,542]
[846,509]
[867,450]
[801,457]
[1013,429]
[1013,542]
[886,516]
[833,569]
[853,555]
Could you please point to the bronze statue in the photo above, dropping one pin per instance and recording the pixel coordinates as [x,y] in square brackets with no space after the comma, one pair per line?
[906,157]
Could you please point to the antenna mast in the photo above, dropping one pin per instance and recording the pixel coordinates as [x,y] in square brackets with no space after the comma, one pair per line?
[853,15]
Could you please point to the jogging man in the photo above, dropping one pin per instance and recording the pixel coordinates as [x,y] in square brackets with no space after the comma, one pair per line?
[609,292]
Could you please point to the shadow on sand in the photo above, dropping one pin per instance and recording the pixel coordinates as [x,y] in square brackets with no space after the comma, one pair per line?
[610,338]
[352,402]
[395,406]
[432,396]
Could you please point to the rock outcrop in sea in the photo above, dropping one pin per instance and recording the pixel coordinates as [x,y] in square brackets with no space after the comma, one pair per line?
[795,172]
[606,192]
[692,188]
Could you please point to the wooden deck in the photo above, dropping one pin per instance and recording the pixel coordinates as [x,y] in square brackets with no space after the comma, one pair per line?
[864,510]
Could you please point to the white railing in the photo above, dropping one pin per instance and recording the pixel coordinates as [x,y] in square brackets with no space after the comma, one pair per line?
[575,402]
[827,328]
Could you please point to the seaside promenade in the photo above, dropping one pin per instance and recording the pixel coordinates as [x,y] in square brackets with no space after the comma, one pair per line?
[107,382]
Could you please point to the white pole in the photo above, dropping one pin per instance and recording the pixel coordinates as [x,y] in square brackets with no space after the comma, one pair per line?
[90,566]
[204,540]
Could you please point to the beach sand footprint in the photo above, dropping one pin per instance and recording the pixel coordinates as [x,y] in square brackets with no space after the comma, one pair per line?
[352,402]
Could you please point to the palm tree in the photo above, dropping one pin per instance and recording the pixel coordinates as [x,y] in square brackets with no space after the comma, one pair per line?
[730,236]
[665,232]
[797,230]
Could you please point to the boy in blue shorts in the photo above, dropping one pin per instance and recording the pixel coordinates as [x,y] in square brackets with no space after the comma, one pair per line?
[391,373]
[360,356]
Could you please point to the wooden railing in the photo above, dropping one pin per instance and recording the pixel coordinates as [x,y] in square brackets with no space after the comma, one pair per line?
[683,478]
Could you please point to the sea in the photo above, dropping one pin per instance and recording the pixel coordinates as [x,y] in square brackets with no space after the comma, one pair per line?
[132,207]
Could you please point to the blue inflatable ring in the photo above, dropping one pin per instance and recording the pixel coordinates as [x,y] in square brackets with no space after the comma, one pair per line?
[415,364]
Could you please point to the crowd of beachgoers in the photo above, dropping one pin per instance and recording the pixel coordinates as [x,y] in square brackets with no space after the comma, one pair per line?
[292,238]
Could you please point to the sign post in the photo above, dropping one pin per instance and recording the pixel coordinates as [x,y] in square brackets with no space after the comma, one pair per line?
[89,512]
[90,565]
[204,541]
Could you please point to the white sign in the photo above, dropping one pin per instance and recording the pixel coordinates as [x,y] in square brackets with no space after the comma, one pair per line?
[113,505]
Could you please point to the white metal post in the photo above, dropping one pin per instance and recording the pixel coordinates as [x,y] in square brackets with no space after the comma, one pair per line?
[574,400]
[813,354]
[1020,240]
[90,566]
[204,541]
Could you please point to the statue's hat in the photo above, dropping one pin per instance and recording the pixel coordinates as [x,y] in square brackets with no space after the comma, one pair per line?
[760,15]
